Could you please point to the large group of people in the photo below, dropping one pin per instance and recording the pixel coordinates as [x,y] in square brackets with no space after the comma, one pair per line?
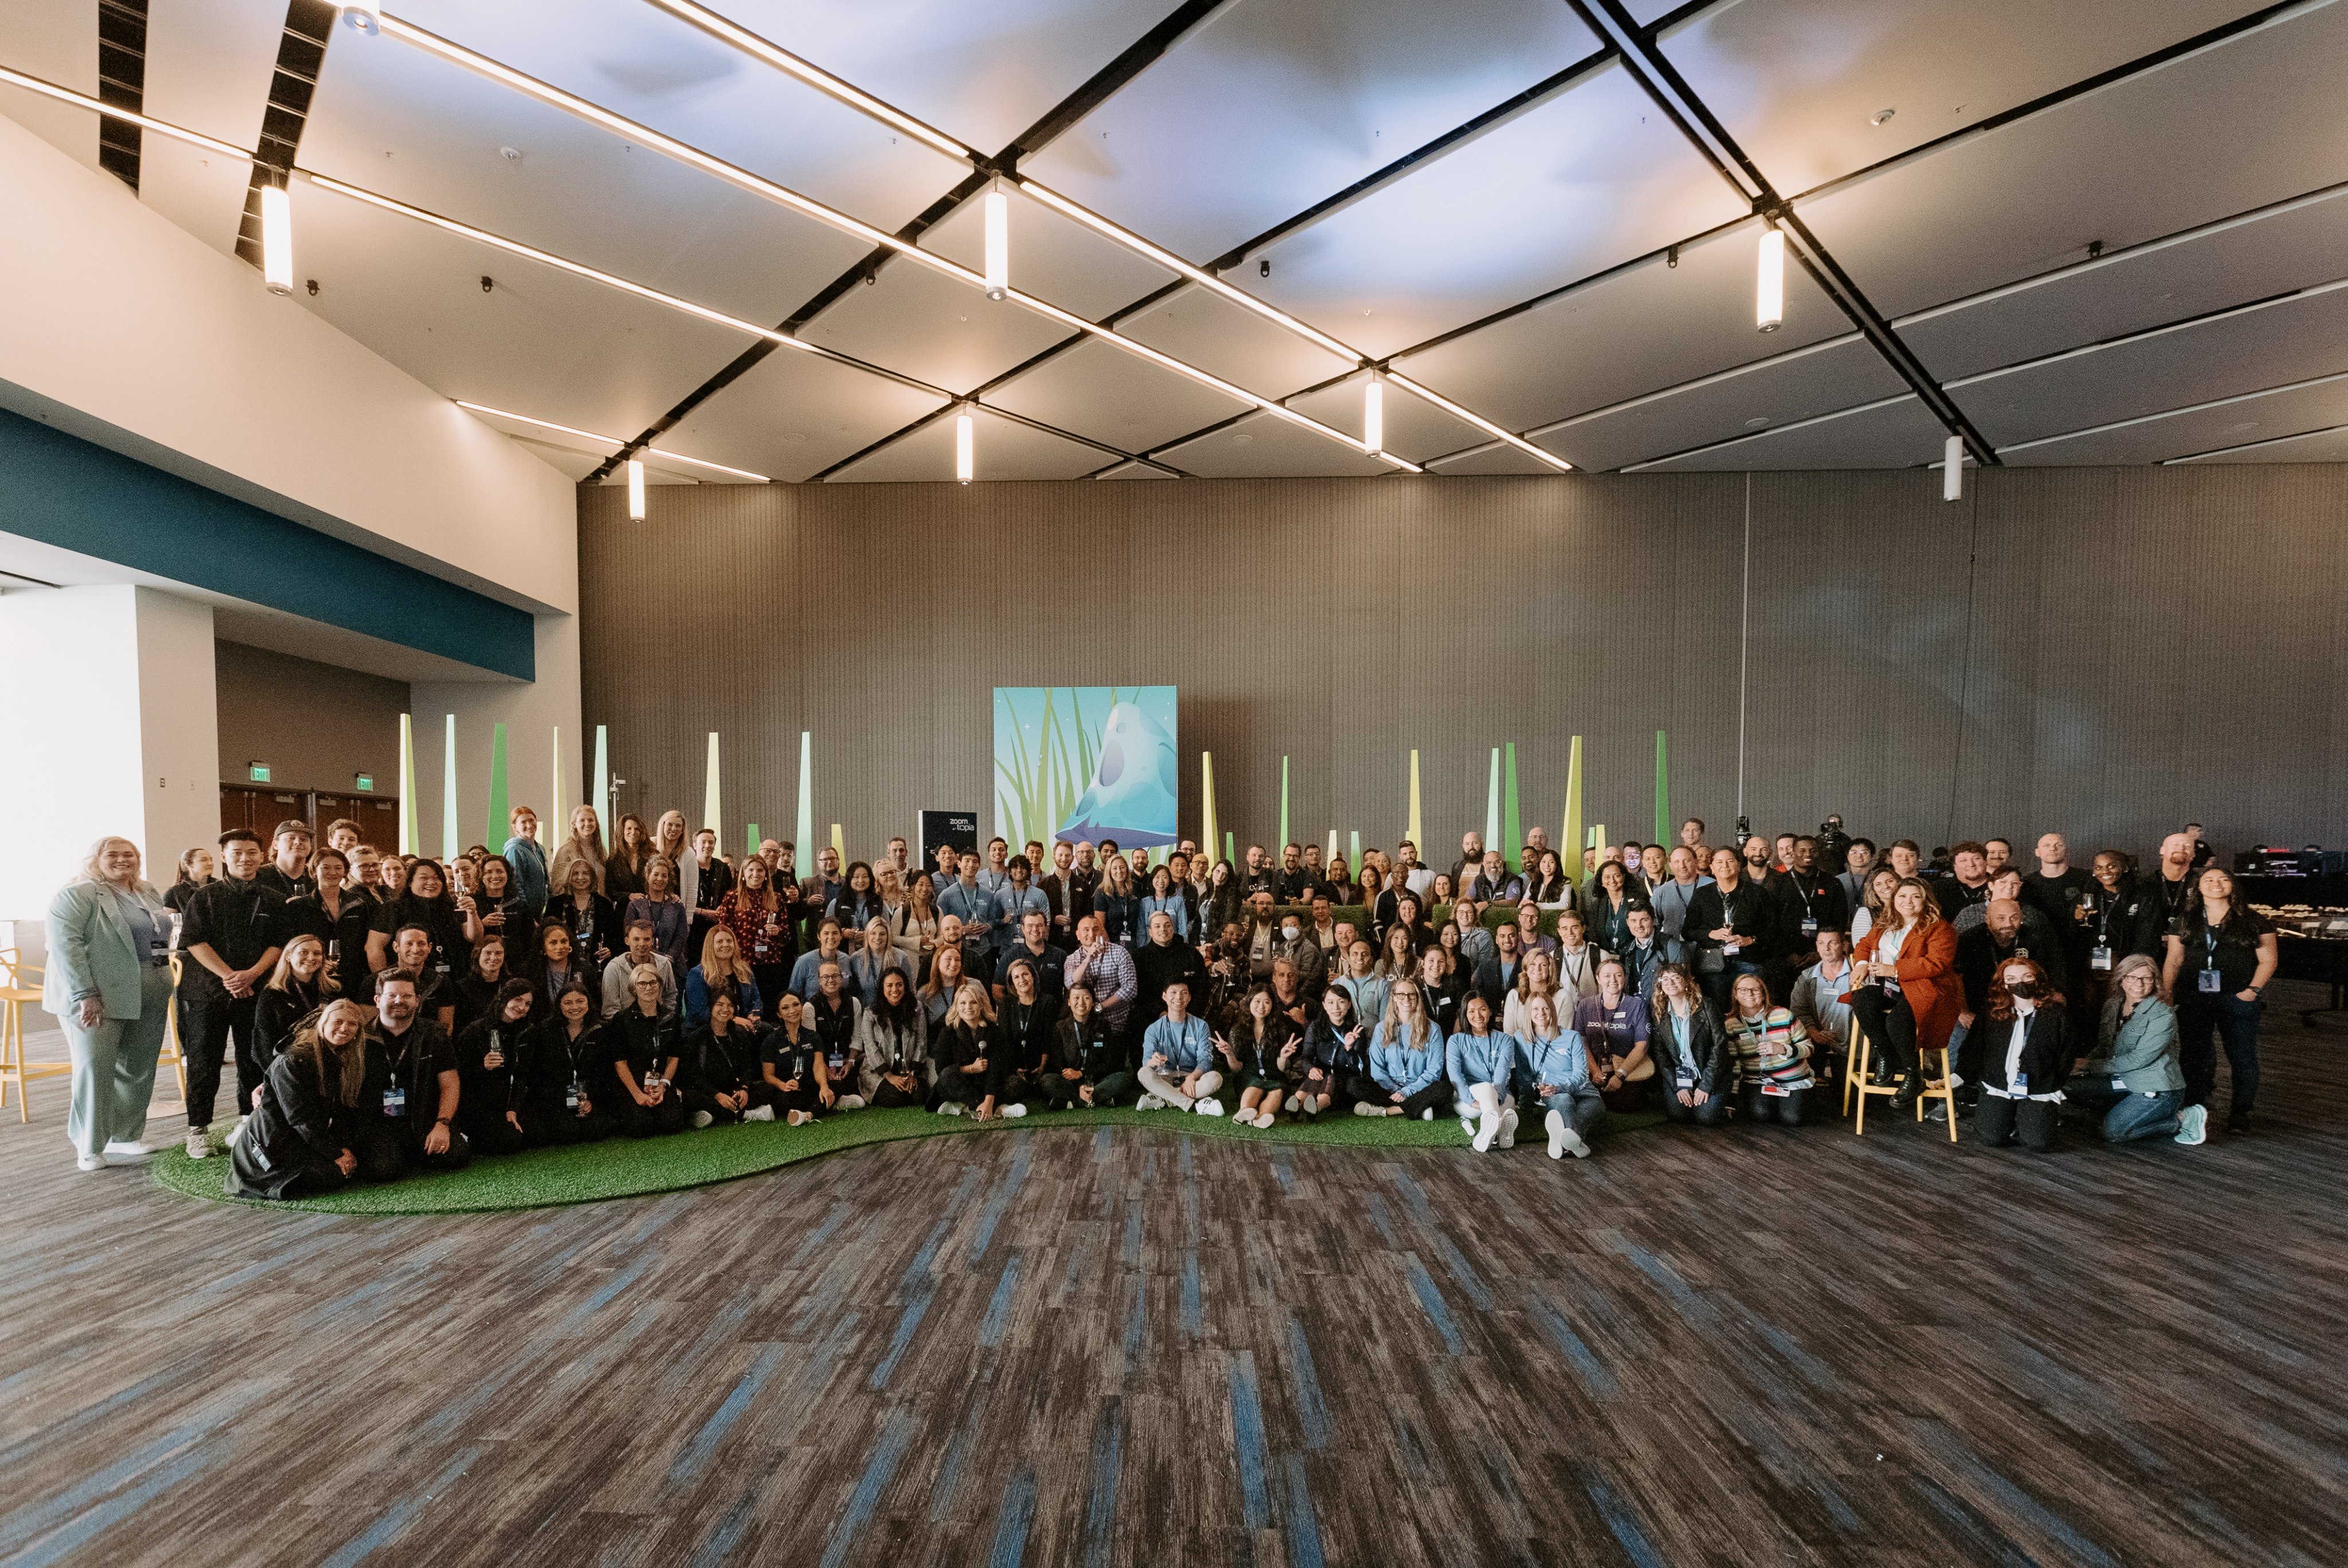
[388,1013]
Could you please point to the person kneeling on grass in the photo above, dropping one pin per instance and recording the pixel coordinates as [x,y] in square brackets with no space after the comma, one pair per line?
[893,1045]
[723,1081]
[643,1044]
[2133,1081]
[1178,1059]
[1553,1072]
[1262,1048]
[1407,1061]
[297,1143]
[791,1062]
[1481,1064]
[1088,1057]
[967,1052]
[488,1070]
[411,1074]
[1337,1051]
[1021,1058]
[835,1019]
[564,1099]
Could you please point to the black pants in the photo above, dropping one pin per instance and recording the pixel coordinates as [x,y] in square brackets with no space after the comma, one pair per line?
[1016,1089]
[2236,1023]
[209,1016]
[806,1097]
[492,1135]
[1711,1113]
[395,1149]
[719,1115]
[1438,1096]
[636,1121]
[557,1126]
[2034,1122]
[888,1097]
[1890,1025]
[1781,1108]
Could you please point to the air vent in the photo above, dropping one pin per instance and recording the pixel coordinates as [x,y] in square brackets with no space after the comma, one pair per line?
[122,81]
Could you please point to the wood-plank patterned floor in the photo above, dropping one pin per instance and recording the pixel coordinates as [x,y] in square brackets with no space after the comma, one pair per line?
[1090,1347]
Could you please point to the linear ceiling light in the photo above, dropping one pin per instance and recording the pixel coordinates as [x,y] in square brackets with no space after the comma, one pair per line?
[1479,421]
[962,453]
[1769,280]
[635,490]
[1373,417]
[644,136]
[612,441]
[998,243]
[276,239]
[114,111]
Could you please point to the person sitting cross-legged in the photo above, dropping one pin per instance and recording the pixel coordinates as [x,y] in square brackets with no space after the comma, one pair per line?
[1178,1059]
[1553,1072]
[1481,1063]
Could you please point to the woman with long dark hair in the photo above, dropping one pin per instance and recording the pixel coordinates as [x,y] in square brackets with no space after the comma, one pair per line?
[2220,957]
[1337,1050]
[493,1088]
[425,902]
[565,1099]
[892,1045]
[623,869]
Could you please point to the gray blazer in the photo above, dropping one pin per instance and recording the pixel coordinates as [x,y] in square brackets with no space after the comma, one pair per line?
[92,951]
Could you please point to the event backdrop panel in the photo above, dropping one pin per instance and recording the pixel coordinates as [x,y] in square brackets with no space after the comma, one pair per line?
[1079,764]
[2104,651]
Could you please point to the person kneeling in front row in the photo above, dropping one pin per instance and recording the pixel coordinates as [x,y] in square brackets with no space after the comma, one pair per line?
[297,1143]
[2134,1080]
[644,1050]
[489,1072]
[1553,1070]
[1178,1059]
[2024,1058]
[1692,1057]
[566,1099]
[722,1077]
[1089,1059]
[411,1079]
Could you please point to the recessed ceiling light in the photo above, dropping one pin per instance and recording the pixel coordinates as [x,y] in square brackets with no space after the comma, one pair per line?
[1879,116]
[1242,440]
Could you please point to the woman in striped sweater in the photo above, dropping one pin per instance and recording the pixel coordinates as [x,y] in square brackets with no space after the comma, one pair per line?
[1772,1054]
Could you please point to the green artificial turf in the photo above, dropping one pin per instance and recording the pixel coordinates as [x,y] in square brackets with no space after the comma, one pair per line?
[628,1167]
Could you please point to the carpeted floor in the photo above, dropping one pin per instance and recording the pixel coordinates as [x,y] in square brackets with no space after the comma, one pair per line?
[626,1168]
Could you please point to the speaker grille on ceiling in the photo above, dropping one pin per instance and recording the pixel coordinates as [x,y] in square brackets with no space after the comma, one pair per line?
[122,81]
[301,52]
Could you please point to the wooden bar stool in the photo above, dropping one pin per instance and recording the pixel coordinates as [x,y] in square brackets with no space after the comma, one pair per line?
[1942,1089]
[1855,1084]
[20,990]
[171,1055]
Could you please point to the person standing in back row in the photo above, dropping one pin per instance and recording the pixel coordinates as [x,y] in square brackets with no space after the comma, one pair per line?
[2222,954]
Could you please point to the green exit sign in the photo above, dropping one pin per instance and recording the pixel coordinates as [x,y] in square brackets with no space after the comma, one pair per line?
[365,781]
[259,772]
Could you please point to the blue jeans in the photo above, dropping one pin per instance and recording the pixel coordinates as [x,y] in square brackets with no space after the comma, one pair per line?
[2129,1117]
[2236,1022]
[1720,988]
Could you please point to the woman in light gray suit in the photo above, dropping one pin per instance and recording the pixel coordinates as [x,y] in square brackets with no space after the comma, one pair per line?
[109,982]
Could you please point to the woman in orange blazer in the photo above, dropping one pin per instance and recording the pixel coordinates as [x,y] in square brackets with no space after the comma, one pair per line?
[1910,995]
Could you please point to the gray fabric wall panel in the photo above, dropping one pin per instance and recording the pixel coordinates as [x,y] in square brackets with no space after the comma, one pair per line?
[2105,651]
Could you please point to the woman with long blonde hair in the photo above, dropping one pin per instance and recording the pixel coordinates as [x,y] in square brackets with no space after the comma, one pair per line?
[585,843]
[297,1143]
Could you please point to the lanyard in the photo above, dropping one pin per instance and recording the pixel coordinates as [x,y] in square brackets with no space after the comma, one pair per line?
[2210,946]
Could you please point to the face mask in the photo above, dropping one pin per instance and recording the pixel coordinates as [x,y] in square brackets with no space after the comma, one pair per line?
[1289,931]
[2024,989]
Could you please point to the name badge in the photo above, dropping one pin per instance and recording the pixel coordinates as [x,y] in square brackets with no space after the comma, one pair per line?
[1686,1079]
[159,950]
[2121,1084]
[2210,983]
[2021,1086]
[1730,949]
[2099,958]
[1809,928]
[395,1100]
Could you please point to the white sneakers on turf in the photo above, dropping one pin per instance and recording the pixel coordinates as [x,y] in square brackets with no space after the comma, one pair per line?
[954,1108]
[2193,1124]
[90,1162]
[1555,1122]
[1508,1138]
[1209,1106]
[1150,1102]
[200,1143]
[1364,1108]
[760,1113]
[1467,1125]
[1487,1127]
[1020,1110]
[1428,1114]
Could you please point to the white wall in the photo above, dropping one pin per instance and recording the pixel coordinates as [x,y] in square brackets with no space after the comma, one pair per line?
[530,714]
[112,729]
[127,331]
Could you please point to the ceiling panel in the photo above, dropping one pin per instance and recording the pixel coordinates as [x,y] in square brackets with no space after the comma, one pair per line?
[2316,447]
[1795,387]
[1647,327]
[924,324]
[1415,428]
[1500,457]
[2202,138]
[1206,330]
[1264,446]
[1580,183]
[1099,390]
[1271,106]
[543,342]
[1136,471]
[208,68]
[2186,431]
[999,449]
[1056,259]
[641,62]
[392,119]
[793,414]
[1799,82]
[981,73]
[1896,433]
[56,40]
[576,455]
[2223,356]
[2252,258]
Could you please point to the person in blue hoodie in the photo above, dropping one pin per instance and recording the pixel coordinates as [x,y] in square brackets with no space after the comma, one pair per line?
[1178,1059]
[1481,1064]
[1553,1072]
[1407,1061]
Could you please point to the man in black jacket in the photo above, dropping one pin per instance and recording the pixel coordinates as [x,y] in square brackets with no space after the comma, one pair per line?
[1162,961]
[407,1101]
[230,938]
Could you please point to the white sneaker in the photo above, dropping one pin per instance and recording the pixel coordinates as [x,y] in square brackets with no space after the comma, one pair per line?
[1574,1145]
[797,1118]
[2193,1124]
[1508,1138]
[703,1119]
[1467,1125]
[1555,1122]
[1364,1108]
[1150,1102]
[954,1108]
[1208,1107]
[122,1152]
[236,1132]
[848,1102]
[1015,1109]
[1428,1114]
[1488,1127]
[760,1113]
[200,1143]
[90,1162]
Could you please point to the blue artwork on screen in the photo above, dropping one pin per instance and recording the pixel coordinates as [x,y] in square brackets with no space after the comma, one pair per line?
[1086,762]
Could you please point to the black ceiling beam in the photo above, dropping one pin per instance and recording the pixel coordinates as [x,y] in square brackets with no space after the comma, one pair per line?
[1096,90]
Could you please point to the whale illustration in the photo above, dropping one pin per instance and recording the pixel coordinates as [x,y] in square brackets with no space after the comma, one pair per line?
[1132,798]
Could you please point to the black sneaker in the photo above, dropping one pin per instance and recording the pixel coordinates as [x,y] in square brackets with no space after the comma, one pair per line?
[2240,1122]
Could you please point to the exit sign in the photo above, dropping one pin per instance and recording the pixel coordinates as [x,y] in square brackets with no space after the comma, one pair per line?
[365,781]
[259,771]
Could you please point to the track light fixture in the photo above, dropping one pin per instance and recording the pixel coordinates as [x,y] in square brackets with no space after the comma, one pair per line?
[1373,417]
[636,491]
[276,239]
[1770,281]
[962,453]
[998,244]
[1952,471]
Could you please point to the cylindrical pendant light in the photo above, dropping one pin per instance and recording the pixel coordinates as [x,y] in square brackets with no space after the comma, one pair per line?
[636,491]
[1770,282]
[962,454]
[1952,474]
[1374,416]
[276,239]
[998,244]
